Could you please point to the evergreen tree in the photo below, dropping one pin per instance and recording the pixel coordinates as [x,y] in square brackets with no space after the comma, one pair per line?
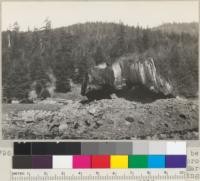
[98,56]
[18,83]
[64,66]
[119,47]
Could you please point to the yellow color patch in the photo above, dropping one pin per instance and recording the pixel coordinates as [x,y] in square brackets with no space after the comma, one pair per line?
[119,161]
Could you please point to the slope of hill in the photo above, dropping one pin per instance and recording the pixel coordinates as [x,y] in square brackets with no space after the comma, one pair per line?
[190,28]
[29,58]
[33,62]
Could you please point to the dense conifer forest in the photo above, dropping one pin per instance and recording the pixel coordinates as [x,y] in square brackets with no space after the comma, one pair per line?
[34,59]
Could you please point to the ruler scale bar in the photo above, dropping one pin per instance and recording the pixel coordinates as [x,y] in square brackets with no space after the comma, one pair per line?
[103,174]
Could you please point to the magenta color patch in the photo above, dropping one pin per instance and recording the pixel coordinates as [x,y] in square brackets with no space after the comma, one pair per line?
[81,161]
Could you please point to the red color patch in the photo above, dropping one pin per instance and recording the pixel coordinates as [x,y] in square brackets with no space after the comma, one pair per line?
[100,161]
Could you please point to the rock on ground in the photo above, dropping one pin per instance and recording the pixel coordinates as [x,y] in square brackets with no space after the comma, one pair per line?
[107,119]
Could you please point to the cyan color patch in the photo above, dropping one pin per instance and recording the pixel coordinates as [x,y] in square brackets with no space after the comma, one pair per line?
[156,161]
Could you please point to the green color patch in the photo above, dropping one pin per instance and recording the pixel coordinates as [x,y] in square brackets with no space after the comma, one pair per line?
[137,161]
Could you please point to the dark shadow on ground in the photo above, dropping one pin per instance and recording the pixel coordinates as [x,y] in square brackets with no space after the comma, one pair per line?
[104,93]
[138,94]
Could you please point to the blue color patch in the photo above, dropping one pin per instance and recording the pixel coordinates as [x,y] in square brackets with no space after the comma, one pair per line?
[156,161]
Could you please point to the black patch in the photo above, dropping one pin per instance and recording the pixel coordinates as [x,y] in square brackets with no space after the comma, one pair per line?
[52,148]
[22,148]
[103,93]
[141,94]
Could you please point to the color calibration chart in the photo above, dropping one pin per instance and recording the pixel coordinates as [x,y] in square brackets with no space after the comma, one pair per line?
[102,155]
[105,161]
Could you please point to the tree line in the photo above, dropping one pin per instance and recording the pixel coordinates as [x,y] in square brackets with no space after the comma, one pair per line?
[68,52]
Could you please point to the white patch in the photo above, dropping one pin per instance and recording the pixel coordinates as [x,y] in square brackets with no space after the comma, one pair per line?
[101,66]
[15,102]
[169,87]
[142,73]
[32,95]
[51,90]
[51,86]
[152,88]
[152,71]
[180,98]
[117,73]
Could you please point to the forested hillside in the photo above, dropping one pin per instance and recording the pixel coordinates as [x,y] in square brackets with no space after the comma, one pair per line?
[51,57]
[179,28]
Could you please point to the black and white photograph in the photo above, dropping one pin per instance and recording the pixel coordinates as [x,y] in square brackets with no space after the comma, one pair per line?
[100,70]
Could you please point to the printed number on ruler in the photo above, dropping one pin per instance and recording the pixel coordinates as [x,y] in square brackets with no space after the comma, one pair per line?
[191,174]
[97,174]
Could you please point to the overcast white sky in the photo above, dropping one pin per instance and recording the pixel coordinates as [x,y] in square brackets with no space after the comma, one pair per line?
[144,13]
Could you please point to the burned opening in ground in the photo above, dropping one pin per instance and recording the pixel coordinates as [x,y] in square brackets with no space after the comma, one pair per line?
[103,93]
[137,93]
[141,94]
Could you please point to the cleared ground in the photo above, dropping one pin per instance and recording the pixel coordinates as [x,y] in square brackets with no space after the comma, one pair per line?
[116,118]
[7,108]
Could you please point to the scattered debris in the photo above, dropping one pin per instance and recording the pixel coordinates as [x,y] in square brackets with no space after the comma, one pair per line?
[182,116]
[63,128]
[76,125]
[129,119]
[113,96]
[106,119]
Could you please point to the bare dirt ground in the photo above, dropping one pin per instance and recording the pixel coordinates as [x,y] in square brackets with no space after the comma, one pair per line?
[115,118]
[65,117]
